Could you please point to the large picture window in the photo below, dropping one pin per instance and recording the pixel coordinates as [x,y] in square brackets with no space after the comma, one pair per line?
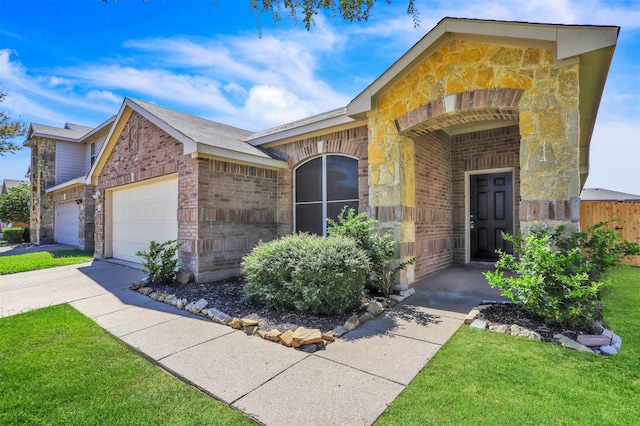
[323,186]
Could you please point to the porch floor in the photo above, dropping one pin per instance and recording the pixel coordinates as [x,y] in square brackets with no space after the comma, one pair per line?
[456,289]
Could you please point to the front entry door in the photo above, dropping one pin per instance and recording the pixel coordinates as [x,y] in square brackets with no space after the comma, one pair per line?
[491,213]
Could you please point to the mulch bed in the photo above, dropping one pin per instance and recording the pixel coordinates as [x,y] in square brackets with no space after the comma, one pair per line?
[226,296]
[510,313]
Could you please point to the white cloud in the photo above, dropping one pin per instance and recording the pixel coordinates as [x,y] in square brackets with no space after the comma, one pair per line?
[270,104]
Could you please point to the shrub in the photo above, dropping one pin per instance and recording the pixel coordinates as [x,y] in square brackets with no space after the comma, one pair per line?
[379,248]
[308,273]
[557,276]
[160,261]
[14,234]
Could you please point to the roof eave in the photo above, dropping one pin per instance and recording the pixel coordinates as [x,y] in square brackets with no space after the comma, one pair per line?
[204,150]
[302,130]
[80,181]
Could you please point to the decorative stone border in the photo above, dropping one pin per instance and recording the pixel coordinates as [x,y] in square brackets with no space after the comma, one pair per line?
[603,342]
[305,339]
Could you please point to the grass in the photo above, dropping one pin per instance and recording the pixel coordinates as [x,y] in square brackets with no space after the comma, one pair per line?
[59,367]
[42,260]
[486,378]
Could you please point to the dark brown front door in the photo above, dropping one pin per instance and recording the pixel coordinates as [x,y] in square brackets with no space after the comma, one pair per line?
[491,213]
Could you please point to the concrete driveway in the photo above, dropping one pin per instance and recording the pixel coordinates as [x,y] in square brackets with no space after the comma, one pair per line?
[351,382]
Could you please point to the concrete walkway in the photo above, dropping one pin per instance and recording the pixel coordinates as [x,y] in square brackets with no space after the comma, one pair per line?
[349,383]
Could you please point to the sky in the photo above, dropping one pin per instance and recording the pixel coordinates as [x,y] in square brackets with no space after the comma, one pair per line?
[75,61]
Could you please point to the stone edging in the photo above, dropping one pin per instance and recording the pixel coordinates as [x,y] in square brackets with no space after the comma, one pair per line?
[305,339]
[603,342]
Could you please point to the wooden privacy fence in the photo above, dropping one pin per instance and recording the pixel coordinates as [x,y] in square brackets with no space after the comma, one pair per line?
[627,225]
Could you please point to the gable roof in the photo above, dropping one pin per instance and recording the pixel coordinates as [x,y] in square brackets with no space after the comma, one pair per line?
[7,184]
[599,194]
[592,45]
[69,133]
[199,136]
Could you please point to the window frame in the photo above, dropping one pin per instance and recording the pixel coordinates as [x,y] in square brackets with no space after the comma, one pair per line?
[324,200]
[92,153]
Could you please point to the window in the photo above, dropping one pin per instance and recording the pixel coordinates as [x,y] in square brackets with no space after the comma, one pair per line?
[323,186]
[92,154]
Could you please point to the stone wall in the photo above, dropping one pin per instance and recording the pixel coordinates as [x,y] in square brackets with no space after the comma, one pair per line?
[546,107]
[43,176]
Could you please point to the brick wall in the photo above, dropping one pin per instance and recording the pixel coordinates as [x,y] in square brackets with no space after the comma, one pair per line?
[236,209]
[142,151]
[86,228]
[433,222]
[351,142]
[482,150]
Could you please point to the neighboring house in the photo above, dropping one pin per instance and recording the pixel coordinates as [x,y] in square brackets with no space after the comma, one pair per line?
[62,207]
[602,205]
[481,127]
[7,184]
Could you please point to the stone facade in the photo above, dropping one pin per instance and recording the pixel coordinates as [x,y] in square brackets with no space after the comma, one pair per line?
[463,82]
[42,176]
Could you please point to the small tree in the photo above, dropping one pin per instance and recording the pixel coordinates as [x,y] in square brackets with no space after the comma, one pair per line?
[9,129]
[14,205]
[379,248]
[160,261]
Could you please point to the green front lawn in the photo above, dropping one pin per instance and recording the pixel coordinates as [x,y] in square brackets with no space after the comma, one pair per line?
[41,260]
[479,377]
[59,367]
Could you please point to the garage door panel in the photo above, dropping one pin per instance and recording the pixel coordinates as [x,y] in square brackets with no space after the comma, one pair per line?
[141,215]
[66,223]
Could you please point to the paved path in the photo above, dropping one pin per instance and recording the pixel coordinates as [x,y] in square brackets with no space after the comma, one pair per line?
[349,383]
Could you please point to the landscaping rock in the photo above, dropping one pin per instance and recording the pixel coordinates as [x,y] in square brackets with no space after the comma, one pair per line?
[473,314]
[305,336]
[400,287]
[189,306]
[198,306]
[397,298]
[170,299]
[145,290]
[597,327]
[339,331]
[375,308]
[310,348]
[365,317]
[351,324]
[286,338]
[516,330]
[138,285]
[248,322]
[608,350]
[183,276]
[571,344]
[407,293]
[500,328]
[273,335]
[479,324]
[328,337]
[219,316]
[235,323]
[594,340]
[616,342]
[250,329]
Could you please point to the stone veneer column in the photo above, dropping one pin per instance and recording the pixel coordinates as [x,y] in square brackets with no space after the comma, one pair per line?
[549,151]
[392,185]
[43,176]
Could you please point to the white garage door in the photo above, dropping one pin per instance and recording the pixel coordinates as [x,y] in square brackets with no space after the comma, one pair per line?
[141,214]
[66,223]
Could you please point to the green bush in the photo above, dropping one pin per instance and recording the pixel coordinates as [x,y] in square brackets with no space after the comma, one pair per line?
[557,276]
[160,261]
[379,248]
[307,273]
[13,235]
